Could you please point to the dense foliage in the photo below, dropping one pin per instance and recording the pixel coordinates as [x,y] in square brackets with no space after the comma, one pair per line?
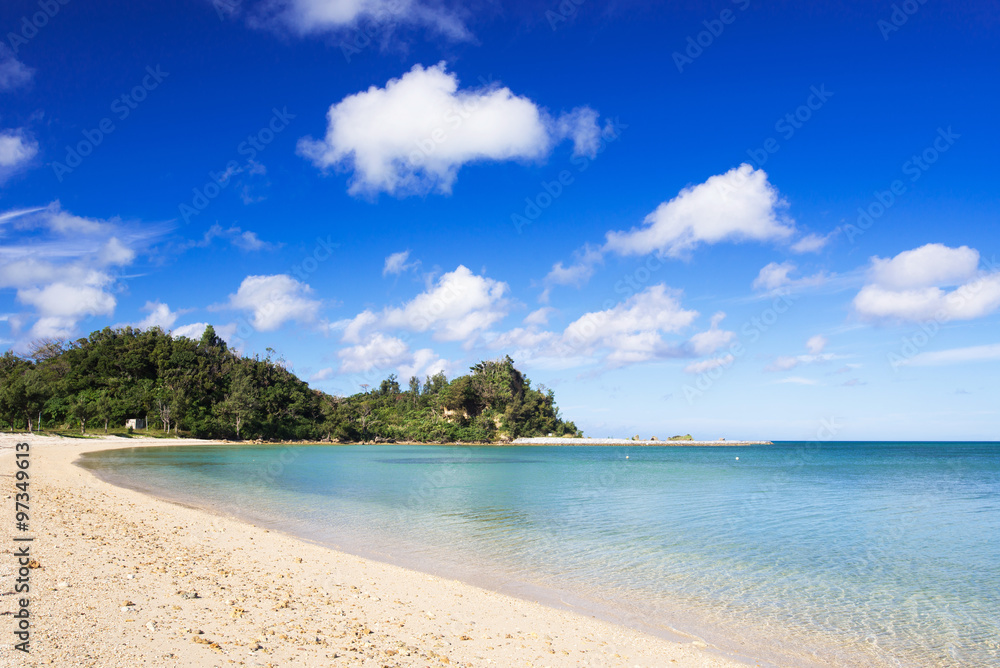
[203,389]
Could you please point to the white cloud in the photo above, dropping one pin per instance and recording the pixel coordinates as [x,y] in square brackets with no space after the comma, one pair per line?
[706,343]
[61,305]
[195,330]
[910,286]
[775,276]
[13,73]
[987,353]
[927,266]
[740,205]
[62,265]
[323,374]
[160,316]
[413,135]
[17,149]
[378,352]
[356,327]
[539,317]
[274,300]
[787,362]
[318,16]
[245,240]
[813,243]
[585,261]
[115,253]
[458,307]
[816,344]
[425,362]
[631,332]
[397,263]
[249,241]
[192,331]
[709,364]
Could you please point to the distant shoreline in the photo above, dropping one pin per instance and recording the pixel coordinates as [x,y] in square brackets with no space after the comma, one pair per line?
[535,440]
[625,441]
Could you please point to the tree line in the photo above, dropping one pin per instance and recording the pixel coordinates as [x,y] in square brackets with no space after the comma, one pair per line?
[204,389]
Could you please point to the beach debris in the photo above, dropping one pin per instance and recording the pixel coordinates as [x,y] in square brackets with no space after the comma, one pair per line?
[62,585]
[151,625]
[188,594]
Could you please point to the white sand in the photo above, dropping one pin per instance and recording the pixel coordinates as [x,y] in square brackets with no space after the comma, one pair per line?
[113,563]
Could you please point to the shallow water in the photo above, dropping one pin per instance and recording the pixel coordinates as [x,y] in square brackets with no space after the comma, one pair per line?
[879,554]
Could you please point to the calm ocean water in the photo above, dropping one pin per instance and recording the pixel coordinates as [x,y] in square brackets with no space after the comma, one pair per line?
[882,554]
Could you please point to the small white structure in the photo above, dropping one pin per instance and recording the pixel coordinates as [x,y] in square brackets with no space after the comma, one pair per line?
[135,423]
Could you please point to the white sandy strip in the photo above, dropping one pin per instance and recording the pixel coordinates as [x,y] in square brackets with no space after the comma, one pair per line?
[117,571]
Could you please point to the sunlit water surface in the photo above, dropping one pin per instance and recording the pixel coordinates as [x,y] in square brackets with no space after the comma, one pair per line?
[883,554]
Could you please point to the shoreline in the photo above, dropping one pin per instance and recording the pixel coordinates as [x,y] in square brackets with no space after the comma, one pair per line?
[546,440]
[263,597]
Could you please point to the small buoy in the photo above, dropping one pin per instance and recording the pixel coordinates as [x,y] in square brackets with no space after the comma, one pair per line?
[626,457]
[737,459]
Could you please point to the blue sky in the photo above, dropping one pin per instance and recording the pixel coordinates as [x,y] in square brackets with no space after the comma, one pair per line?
[728,219]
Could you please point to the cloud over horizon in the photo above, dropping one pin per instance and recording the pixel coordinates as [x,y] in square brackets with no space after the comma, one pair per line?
[914,286]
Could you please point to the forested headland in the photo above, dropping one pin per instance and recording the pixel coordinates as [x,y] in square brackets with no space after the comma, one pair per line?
[206,390]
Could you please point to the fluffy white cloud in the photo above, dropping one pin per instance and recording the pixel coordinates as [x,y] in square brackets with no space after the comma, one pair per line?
[413,135]
[397,263]
[17,148]
[912,286]
[740,205]
[192,331]
[383,353]
[816,344]
[318,16]
[195,330]
[458,307]
[774,276]
[539,316]
[13,73]
[632,331]
[378,352]
[62,265]
[274,300]
[61,305]
[706,343]
[160,316]
[629,332]
[928,266]
[425,362]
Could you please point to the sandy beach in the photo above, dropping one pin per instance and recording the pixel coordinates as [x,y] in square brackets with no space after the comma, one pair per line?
[124,579]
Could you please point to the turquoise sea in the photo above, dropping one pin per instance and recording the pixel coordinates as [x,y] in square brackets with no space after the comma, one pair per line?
[867,554]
